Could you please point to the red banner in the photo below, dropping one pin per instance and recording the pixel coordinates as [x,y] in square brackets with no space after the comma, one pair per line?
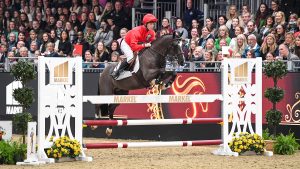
[209,83]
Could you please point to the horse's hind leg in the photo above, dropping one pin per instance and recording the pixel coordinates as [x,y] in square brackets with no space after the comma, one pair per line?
[111,110]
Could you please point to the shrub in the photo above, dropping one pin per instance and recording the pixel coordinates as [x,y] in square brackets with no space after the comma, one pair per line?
[12,152]
[286,145]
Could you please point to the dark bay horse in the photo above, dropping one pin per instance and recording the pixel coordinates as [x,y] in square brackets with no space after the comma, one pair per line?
[152,66]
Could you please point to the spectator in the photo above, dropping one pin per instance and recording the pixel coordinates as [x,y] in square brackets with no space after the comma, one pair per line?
[33,37]
[235,23]
[92,18]
[97,11]
[74,21]
[230,15]
[191,14]
[63,45]
[3,53]
[206,34]
[269,45]
[12,41]
[107,10]
[104,34]
[123,33]
[222,34]
[261,15]
[279,19]
[83,22]
[198,57]
[298,25]
[246,18]
[270,56]
[59,28]
[251,27]
[120,17]
[71,31]
[181,29]
[194,35]
[240,46]
[88,59]
[33,48]
[23,52]
[292,24]
[90,34]
[50,52]
[81,41]
[238,30]
[252,44]
[208,56]
[266,29]
[275,7]
[115,29]
[210,45]
[76,8]
[115,47]
[39,19]
[21,37]
[101,54]
[280,34]
[189,50]
[165,24]
[251,53]
[195,25]
[209,22]
[285,54]
[115,57]
[289,41]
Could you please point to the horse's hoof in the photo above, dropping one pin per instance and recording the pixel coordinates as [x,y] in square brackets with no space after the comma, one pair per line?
[94,127]
[108,132]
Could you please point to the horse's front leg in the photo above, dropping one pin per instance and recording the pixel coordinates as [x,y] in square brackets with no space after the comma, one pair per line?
[171,79]
[111,110]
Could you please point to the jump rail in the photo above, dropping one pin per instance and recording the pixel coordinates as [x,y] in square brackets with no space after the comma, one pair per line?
[152,144]
[151,122]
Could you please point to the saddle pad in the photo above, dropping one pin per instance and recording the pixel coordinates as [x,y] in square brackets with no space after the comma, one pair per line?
[126,73]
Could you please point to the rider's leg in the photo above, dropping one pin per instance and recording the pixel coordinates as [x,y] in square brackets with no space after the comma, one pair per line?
[125,63]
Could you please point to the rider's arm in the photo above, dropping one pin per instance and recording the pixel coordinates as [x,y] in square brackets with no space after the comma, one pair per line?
[134,44]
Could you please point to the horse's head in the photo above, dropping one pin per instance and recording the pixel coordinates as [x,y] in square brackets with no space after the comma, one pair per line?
[174,51]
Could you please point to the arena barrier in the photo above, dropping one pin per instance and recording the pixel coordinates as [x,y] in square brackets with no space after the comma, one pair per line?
[60,100]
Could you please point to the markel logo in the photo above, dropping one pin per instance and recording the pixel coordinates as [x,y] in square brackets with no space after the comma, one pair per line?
[12,106]
[61,73]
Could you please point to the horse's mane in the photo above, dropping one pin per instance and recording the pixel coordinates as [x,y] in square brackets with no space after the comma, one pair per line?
[155,41]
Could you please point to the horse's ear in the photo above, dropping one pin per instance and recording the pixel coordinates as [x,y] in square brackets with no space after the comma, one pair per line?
[174,34]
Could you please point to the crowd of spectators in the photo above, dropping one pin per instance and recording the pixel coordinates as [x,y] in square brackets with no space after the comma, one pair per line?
[61,28]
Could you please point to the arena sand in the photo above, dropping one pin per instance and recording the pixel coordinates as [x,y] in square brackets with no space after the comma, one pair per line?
[168,158]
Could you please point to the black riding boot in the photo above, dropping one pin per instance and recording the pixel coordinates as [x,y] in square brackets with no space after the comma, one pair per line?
[122,67]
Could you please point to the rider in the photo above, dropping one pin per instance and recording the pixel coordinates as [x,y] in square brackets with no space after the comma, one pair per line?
[135,40]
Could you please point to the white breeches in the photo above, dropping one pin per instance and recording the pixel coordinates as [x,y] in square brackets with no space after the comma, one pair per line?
[126,50]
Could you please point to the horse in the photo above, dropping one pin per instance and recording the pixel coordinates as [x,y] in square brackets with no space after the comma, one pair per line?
[152,62]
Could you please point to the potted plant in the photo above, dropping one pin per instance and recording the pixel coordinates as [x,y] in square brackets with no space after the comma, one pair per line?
[286,145]
[64,149]
[23,71]
[246,142]
[275,70]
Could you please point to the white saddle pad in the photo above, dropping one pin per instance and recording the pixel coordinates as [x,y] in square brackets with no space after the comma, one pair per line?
[126,74]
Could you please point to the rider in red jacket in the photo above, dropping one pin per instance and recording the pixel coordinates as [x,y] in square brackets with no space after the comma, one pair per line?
[135,40]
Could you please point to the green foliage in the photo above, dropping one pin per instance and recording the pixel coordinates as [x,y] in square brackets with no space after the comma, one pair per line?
[274,94]
[286,145]
[266,135]
[276,70]
[20,123]
[11,152]
[273,117]
[24,96]
[23,71]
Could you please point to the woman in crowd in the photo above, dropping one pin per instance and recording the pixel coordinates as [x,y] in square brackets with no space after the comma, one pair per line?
[222,34]
[104,34]
[45,40]
[101,54]
[261,15]
[206,34]
[235,23]
[241,44]
[289,40]
[64,47]
[210,24]
[280,34]
[181,29]
[231,14]
[88,59]
[266,29]
[279,19]
[269,45]
[114,47]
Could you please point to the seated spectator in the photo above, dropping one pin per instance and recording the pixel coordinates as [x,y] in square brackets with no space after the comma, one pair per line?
[11,58]
[34,37]
[261,15]
[76,8]
[87,63]
[230,15]
[84,21]
[240,46]
[246,17]
[252,44]
[165,25]
[269,45]
[285,54]
[270,56]
[89,35]
[53,37]
[222,34]
[209,22]
[63,46]
[32,49]
[123,33]
[289,40]
[179,28]
[266,28]
[3,53]
[221,22]
[279,19]
[189,50]
[50,50]
[292,24]
[114,28]
[101,54]
[251,53]
[92,18]
[280,34]
[45,40]
[275,7]
[298,25]
[194,36]
[12,42]
[23,52]
[238,30]
[104,34]
[206,34]
[235,25]
[81,41]
[251,27]
[115,57]
[208,56]
[198,56]
[210,45]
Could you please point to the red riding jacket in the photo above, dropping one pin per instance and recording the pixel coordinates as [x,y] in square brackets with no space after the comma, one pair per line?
[137,37]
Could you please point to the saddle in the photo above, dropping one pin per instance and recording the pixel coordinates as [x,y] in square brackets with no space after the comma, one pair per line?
[131,69]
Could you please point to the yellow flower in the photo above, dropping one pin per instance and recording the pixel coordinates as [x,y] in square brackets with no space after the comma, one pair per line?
[58,145]
[48,152]
[241,147]
[55,151]
[54,155]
